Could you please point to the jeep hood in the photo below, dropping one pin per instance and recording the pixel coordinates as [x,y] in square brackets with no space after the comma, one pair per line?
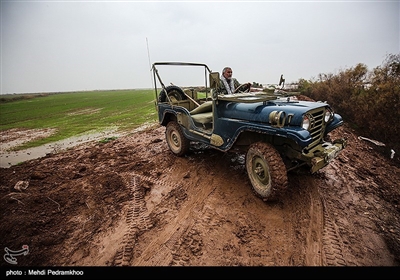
[259,112]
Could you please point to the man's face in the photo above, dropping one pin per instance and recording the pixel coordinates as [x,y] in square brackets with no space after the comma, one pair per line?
[228,73]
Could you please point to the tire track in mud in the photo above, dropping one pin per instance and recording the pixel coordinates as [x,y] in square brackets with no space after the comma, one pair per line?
[334,249]
[181,238]
[315,230]
[191,242]
[159,253]
[137,219]
[324,244]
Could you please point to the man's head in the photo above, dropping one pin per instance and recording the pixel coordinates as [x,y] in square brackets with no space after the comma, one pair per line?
[227,72]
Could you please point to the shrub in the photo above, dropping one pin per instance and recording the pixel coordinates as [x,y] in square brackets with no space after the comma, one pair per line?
[368,100]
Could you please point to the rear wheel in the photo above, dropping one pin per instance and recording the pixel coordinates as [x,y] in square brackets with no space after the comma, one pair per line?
[266,171]
[176,140]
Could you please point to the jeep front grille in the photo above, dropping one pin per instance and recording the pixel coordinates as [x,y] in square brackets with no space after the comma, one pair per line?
[316,125]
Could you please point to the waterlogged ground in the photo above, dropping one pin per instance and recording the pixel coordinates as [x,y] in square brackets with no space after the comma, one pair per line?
[131,202]
[16,137]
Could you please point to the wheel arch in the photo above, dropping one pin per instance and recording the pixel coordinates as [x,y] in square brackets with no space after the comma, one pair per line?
[167,117]
[250,136]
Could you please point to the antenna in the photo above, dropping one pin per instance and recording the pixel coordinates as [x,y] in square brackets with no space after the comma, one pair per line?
[148,54]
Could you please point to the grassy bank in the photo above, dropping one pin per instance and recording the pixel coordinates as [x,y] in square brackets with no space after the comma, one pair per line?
[76,113]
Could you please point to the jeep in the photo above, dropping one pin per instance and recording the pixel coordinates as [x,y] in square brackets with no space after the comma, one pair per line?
[277,131]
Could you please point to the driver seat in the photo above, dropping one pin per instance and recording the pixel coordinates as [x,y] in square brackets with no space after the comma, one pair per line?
[203,113]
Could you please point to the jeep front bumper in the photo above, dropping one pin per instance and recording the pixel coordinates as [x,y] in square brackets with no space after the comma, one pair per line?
[323,153]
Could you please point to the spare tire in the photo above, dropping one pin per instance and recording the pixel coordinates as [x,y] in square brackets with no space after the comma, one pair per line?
[173,92]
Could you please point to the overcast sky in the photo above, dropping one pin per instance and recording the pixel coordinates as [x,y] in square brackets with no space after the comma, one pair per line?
[53,46]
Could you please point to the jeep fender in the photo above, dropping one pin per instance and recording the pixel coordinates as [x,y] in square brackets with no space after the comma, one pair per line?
[296,137]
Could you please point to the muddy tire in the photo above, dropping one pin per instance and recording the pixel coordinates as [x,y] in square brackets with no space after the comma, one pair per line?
[266,171]
[175,93]
[176,140]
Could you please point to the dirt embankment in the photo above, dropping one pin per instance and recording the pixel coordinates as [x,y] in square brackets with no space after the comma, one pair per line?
[131,202]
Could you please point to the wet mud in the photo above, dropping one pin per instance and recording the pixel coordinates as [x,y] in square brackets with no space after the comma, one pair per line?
[131,202]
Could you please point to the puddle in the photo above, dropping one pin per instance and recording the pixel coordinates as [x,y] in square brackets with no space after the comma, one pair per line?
[16,136]
[10,158]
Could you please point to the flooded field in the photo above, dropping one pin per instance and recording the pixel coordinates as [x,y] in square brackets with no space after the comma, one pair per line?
[16,137]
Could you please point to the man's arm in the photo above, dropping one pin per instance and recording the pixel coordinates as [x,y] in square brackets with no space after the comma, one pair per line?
[236,83]
[220,89]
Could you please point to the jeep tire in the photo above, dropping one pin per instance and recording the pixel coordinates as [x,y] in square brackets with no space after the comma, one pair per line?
[176,140]
[266,171]
[175,93]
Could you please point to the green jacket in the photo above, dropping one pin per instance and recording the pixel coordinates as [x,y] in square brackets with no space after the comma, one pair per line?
[221,89]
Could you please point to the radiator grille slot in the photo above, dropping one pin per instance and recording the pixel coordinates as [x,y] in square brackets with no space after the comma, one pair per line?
[317,125]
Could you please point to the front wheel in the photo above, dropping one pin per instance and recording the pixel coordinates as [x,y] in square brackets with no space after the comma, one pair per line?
[176,140]
[266,171]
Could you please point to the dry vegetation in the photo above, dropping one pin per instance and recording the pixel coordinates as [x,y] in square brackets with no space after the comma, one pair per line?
[368,100]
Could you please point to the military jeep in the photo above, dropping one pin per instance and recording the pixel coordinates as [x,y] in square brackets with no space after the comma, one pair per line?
[278,132]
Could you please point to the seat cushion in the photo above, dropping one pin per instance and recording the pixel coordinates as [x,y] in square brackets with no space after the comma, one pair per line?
[203,118]
[205,107]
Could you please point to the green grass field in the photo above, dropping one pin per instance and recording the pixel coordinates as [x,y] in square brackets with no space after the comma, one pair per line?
[76,113]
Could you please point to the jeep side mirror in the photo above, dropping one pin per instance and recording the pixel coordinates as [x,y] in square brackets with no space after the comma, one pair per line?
[214,79]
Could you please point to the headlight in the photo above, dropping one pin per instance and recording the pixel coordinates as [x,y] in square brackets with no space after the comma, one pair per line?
[277,118]
[306,122]
[328,115]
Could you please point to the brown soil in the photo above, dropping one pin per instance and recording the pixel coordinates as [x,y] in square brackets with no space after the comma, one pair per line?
[131,202]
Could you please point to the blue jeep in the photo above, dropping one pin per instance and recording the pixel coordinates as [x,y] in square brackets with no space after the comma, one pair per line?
[277,131]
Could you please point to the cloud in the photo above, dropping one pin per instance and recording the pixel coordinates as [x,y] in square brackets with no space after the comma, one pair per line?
[66,46]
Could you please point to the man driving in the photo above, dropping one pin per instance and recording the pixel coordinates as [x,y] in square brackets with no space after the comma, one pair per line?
[228,84]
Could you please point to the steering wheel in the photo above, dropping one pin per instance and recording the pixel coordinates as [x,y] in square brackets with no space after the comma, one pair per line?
[243,88]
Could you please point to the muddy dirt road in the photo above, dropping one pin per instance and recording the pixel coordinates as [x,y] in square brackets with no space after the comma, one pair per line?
[131,202]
